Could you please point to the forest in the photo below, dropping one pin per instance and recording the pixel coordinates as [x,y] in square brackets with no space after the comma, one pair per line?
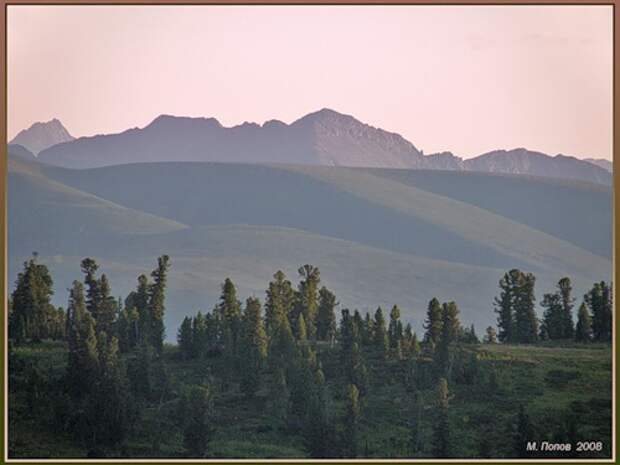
[296,375]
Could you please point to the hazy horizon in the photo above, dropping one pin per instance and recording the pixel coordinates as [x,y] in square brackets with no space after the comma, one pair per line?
[447,78]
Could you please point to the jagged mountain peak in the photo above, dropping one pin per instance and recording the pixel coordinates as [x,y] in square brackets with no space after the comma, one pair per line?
[41,135]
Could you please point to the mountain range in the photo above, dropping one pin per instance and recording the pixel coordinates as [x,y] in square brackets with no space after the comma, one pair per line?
[380,236]
[324,138]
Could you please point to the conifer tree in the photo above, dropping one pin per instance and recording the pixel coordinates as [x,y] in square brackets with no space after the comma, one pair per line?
[450,327]
[280,396]
[254,352]
[395,333]
[157,303]
[31,305]
[380,336]
[138,301]
[301,331]
[526,323]
[567,302]
[415,345]
[441,429]
[433,323]
[107,307]
[319,425]
[504,307]
[351,421]
[93,297]
[83,353]
[326,319]
[279,302]
[196,410]
[307,297]
[415,427]
[109,396]
[367,334]
[199,335]
[185,337]
[282,347]
[127,329]
[552,325]
[599,301]
[583,331]
[228,311]
[356,371]
[359,326]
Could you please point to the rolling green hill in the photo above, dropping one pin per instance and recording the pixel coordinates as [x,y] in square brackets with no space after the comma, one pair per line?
[379,237]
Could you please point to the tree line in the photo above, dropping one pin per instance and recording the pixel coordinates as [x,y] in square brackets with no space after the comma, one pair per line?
[517,321]
[115,363]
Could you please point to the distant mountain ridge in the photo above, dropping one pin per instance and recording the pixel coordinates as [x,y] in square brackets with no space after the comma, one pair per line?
[325,137]
[603,163]
[40,136]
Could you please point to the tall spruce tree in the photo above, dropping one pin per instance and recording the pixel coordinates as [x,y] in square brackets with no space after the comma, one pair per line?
[552,325]
[415,430]
[108,400]
[254,351]
[279,302]
[307,297]
[228,312]
[30,302]
[156,304]
[83,353]
[583,332]
[599,301]
[526,322]
[395,333]
[380,336]
[441,429]
[107,307]
[433,323]
[185,338]
[93,296]
[351,422]
[450,326]
[567,302]
[504,307]
[196,413]
[326,319]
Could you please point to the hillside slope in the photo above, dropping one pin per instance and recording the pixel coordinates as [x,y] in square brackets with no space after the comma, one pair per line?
[378,239]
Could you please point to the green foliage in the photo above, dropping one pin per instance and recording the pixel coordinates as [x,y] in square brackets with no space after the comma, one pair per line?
[279,303]
[433,322]
[441,430]
[33,317]
[196,412]
[599,301]
[254,350]
[307,297]
[326,319]
[351,422]
[583,331]
[380,336]
[156,305]
[228,313]
[523,433]
[558,317]
[158,407]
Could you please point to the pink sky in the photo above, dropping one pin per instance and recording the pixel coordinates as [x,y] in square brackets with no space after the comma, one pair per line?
[467,79]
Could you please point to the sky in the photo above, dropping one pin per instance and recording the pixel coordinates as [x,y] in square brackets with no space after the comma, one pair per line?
[465,79]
